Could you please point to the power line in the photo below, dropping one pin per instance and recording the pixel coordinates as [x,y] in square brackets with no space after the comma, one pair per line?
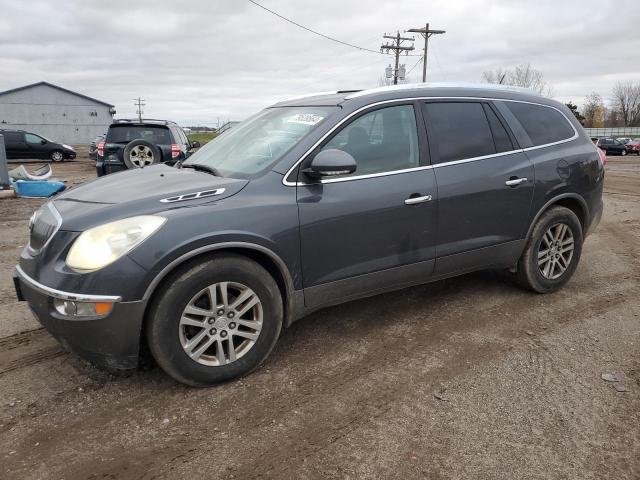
[414,66]
[314,31]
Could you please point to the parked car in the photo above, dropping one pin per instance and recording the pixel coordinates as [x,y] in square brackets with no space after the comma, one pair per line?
[93,146]
[612,146]
[601,152]
[20,144]
[137,144]
[312,202]
[633,146]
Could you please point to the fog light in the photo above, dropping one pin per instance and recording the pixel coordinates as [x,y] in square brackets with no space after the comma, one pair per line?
[82,309]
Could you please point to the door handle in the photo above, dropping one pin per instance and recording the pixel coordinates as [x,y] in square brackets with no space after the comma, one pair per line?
[514,182]
[414,200]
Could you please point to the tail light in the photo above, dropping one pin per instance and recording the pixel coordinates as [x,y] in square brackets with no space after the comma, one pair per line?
[175,150]
[100,148]
[602,156]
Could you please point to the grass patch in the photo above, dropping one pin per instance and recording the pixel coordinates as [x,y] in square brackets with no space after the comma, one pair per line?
[201,137]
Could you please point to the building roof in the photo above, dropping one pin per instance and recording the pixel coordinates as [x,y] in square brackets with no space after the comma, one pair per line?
[57,88]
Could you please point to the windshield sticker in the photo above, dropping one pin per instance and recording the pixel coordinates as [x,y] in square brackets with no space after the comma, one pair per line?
[305,118]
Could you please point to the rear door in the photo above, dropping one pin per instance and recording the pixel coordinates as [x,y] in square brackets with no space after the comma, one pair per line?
[485,185]
[15,145]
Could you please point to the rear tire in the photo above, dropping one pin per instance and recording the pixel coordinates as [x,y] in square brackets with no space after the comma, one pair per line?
[623,153]
[552,252]
[195,363]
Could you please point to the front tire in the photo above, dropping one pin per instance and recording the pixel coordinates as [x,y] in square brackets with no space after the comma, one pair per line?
[552,252]
[215,320]
[56,156]
[623,153]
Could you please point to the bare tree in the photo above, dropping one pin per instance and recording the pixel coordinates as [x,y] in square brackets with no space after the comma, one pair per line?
[593,111]
[497,76]
[626,99]
[523,75]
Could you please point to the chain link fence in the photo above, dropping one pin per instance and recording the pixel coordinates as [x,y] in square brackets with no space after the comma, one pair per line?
[622,132]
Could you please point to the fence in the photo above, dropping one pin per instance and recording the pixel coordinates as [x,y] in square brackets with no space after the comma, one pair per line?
[624,132]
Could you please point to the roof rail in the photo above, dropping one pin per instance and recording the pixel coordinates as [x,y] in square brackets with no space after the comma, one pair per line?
[429,86]
[314,94]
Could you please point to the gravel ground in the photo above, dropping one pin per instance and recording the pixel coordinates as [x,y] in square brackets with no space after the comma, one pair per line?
[466,378]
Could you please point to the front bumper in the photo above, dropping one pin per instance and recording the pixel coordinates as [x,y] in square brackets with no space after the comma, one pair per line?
[111,342]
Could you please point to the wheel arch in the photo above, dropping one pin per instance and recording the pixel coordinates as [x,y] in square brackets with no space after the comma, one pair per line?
[265,257]
[573,202]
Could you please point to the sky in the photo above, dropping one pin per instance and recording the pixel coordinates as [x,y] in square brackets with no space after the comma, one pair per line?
[200,62]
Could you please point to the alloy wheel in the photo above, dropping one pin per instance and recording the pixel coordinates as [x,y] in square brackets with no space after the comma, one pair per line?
[56,156]
[141,156]
[555,251]
[221,323]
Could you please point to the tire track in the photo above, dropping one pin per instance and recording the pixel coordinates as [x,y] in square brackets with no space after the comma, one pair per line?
[22,338]
[26,349]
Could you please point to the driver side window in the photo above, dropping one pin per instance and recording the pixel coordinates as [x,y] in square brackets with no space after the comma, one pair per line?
[33,139]
[380,141]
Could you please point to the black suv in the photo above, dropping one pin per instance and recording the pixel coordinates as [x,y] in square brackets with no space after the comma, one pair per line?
[20,144]
[312,202]
[138,144]
[612,146]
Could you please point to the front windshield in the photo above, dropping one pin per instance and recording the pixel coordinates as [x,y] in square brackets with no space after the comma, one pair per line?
[259,141]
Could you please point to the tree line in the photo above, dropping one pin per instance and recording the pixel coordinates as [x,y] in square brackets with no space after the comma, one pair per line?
[622,110]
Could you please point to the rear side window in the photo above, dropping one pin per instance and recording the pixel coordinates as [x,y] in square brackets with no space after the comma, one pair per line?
[12,137]
[127,133]
[459,131]
[543,124]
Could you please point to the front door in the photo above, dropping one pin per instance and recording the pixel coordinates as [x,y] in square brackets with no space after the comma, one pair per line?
[36,146]
[485,185]
[375,228]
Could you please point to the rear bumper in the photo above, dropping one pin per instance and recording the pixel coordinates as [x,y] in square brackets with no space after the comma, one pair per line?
[111,342]
[105,168]
[596,216]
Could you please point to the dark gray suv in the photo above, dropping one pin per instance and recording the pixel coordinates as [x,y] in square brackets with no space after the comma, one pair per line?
[312,202]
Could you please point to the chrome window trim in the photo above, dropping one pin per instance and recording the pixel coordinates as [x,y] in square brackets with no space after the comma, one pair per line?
[52,292]
[425,167]
[58,218]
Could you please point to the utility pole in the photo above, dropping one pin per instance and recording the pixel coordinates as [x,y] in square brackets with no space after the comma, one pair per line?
[139,103]
[426,33]
[397,48]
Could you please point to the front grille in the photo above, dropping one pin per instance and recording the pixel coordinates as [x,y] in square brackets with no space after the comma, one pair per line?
[45,224]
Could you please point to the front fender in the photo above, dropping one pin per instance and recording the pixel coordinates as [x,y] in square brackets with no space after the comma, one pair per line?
[183,253]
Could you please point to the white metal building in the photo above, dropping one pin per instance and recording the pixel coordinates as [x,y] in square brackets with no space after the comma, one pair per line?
[55,113]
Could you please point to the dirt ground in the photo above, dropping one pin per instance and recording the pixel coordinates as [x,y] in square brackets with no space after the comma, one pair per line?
[466,378]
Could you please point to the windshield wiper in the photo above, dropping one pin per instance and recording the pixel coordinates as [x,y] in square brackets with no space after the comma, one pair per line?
[202,168]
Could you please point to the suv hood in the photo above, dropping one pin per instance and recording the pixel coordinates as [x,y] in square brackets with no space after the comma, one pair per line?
[138,192]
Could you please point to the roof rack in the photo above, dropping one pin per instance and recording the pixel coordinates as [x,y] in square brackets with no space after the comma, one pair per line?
[429,86]
[144,120]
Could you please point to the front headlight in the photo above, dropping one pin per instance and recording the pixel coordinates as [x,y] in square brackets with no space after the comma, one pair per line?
[98,247]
